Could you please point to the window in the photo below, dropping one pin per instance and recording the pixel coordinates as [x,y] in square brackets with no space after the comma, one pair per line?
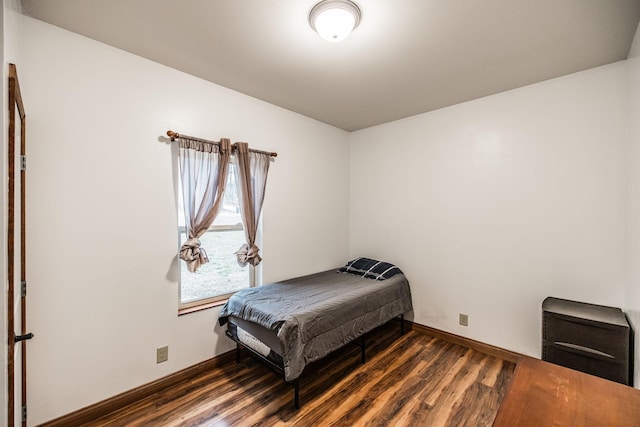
[222,275]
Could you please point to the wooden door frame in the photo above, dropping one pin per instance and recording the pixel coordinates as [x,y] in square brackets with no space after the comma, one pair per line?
[15,101]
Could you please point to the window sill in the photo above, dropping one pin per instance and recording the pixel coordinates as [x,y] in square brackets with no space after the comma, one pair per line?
[200,307]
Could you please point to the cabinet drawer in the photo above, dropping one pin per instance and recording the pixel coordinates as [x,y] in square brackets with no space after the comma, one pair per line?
[605,340]
[585,361]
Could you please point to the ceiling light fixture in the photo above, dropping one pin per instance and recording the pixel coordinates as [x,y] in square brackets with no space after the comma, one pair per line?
[335,19]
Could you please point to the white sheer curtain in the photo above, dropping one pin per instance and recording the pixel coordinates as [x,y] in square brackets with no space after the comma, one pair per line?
[203,172]
[251,178]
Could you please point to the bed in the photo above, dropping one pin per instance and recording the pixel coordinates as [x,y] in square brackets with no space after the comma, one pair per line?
[292,323]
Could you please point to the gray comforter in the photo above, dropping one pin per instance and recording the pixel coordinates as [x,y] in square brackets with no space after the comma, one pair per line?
[317,314]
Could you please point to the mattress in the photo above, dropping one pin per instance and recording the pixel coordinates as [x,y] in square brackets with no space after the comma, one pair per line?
[256,338]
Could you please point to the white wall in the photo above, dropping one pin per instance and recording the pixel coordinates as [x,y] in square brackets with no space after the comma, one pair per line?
[102,223]
[492,205]
[633,284]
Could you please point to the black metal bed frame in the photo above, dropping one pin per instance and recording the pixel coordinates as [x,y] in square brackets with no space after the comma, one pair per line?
[280,369]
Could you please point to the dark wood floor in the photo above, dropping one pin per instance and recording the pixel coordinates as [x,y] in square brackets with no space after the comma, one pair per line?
[407,380]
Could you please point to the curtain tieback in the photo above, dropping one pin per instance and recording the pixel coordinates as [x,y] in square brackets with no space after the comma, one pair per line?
[193,254]
[248,255]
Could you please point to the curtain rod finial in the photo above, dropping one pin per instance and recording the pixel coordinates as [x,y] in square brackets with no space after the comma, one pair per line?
[173,135]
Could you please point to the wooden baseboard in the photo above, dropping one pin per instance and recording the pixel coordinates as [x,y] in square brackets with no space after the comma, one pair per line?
[507,355]
[114,403]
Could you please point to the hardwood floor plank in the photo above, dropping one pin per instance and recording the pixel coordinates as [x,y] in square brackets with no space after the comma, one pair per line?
[391,406]
[467,412]
[397,399]
[357,407]
[360,405]
[334,386]
[454,390]
[463,358]
[408,380]
[230,408]
[491,375]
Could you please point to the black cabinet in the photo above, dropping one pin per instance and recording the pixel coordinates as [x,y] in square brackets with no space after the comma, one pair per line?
[586,337]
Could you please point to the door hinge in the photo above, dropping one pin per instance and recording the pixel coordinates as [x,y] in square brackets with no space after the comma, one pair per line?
[23,288]
[24,413]
[23,162]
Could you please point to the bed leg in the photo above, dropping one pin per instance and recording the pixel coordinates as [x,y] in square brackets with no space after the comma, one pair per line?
[296,394]
[237,353]
[362,348]
[402,324]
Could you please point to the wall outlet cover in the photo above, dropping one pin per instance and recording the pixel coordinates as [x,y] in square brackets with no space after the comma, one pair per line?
[162,354]
[463,319]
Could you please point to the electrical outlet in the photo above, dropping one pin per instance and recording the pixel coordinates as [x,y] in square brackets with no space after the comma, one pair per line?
[162,354]
[463,319]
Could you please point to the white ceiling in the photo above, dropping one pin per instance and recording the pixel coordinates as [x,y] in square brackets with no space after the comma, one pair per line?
[406,57]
